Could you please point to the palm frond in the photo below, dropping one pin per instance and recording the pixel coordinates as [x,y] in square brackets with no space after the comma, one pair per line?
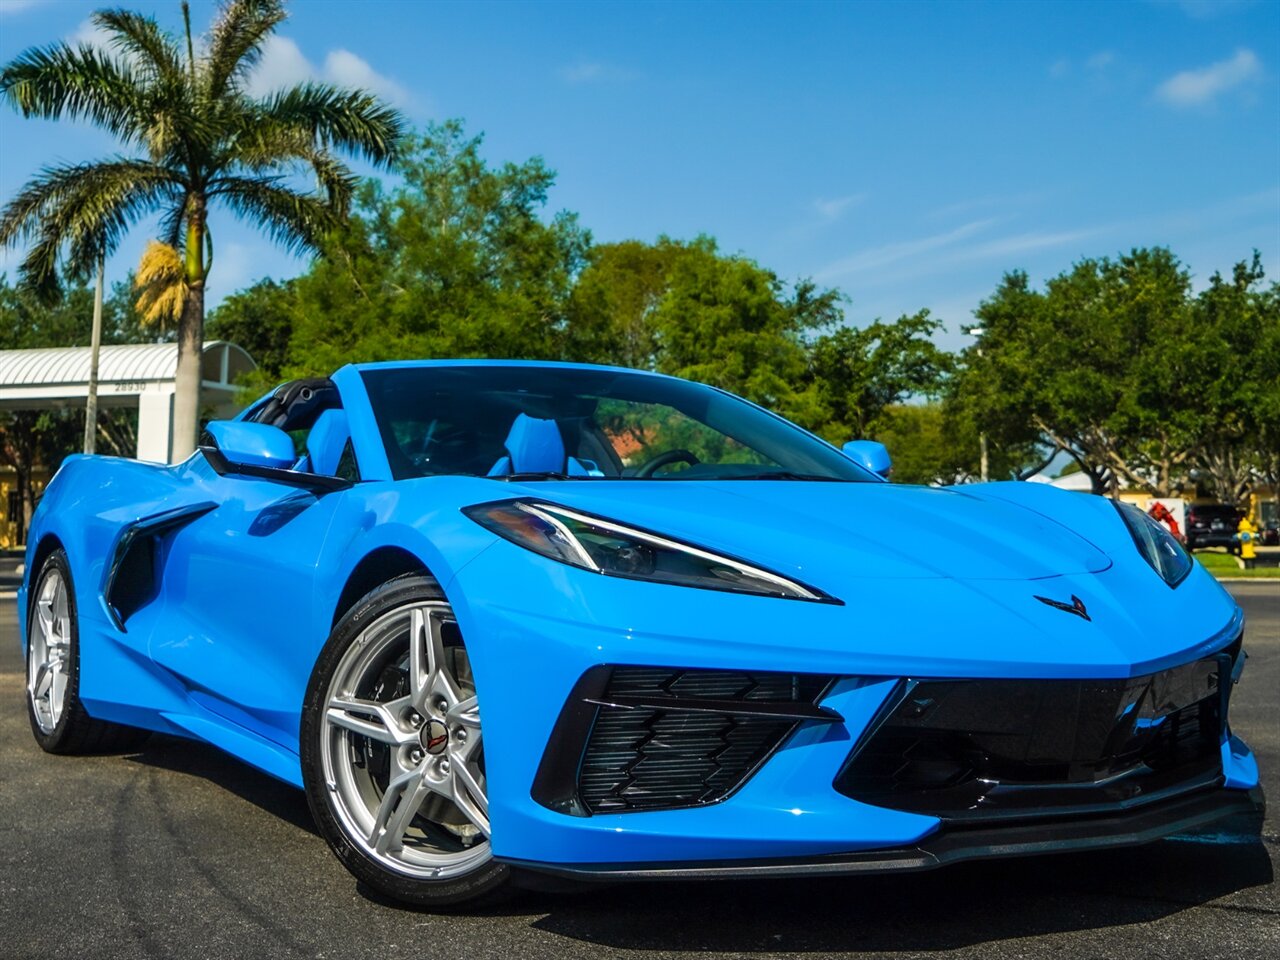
[236,39]
[161,284]
[353,121]
[83,208]
[296,221]
[85,84]
[265,147]
[141,38]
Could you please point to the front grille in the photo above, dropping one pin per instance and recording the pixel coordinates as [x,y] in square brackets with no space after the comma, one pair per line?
[658,738]
[977,750]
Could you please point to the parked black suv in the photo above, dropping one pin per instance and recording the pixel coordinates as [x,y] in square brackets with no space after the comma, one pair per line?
[1212,525]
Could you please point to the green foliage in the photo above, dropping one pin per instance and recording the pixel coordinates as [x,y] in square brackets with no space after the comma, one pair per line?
[454,261]
[860,372]
[1119,364]
[613,304]
[28,322]
[260,319]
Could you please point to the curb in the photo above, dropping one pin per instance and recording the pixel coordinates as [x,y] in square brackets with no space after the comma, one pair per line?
[1275,580]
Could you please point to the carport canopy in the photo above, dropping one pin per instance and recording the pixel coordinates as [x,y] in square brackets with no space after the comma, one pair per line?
[140,375]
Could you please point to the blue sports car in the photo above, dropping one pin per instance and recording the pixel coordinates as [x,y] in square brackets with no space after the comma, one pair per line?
[502,620]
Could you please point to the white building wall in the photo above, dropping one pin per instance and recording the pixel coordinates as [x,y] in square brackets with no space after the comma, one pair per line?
[155,425]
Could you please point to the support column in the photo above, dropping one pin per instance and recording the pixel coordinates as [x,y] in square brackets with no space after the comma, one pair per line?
[155,426]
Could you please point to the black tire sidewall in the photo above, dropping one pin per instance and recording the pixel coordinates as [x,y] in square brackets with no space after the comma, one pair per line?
[485,880]
[55,741]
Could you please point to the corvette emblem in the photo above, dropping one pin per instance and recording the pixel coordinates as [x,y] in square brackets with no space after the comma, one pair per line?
[1076,606]
[434,737]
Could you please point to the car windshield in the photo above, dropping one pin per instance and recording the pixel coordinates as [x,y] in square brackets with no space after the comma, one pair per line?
[569,423]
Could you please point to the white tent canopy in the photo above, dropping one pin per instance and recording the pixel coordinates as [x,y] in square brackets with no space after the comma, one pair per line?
[139,375]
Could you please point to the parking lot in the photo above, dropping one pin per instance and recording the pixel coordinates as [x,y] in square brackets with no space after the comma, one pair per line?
[178,851]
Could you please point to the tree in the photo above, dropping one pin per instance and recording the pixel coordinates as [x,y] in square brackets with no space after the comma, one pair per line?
[861,372]
[259,319]
[456,260]
[202,141]
[1097,365]
[728,322]
[614,303]
[1143,383]
[686,309]
[1236,335]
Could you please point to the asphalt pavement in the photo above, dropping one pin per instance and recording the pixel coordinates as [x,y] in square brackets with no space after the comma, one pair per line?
[178,851]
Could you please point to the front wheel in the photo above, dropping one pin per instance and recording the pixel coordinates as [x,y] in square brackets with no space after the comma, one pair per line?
[58,718]
[392,752]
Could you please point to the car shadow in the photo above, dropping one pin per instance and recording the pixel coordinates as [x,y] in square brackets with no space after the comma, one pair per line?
[947,909]
[206,762]
[950,908]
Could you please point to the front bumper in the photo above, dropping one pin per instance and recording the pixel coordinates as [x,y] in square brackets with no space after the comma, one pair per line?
[549,625]
[1183,815]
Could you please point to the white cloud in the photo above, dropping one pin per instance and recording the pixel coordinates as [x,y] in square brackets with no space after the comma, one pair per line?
[582,72]
[1060,68]
[346,69]
[1198,87]
[835,207]
[1100,60]
[283,64]
[19,6]
[592,71]
[877,257]
[89,34]
[1204,9]
[1023,243]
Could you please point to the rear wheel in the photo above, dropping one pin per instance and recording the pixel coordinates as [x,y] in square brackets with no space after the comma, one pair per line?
[392,752]
[58,718]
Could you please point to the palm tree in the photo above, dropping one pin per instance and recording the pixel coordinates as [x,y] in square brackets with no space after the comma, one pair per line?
[201,140]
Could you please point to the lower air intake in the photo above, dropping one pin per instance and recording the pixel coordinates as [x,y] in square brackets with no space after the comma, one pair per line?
[982,750]
[654,738]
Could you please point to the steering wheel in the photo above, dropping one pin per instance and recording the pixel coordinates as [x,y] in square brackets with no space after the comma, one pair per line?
[649,467]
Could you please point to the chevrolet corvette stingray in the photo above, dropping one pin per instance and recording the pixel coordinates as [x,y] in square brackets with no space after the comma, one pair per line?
[503,619]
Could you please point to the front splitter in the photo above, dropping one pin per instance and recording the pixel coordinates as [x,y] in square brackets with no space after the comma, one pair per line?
[1099,832]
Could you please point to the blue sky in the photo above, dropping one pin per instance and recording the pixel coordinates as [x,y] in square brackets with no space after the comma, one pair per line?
[907,153]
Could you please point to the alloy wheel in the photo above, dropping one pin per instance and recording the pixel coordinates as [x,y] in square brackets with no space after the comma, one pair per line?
[49,651]
[402,752]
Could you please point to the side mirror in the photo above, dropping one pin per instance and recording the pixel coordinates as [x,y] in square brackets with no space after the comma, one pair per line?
[251,444]
[870,454]
[262,452]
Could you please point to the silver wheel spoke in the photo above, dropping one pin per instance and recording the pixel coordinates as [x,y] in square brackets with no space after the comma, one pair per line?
[44,619]
[43,679]
[465,714]
[469,794]
[61,614]
[398,808]
[369,718]
[57,694]
[429,670]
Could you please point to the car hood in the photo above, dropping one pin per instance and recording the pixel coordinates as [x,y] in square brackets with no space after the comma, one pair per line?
[825,533]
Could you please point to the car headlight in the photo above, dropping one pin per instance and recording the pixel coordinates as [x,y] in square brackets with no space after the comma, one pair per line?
[615,550]
[1157,545]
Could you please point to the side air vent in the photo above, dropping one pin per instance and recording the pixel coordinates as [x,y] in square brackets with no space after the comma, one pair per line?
[642,738]
[133,577]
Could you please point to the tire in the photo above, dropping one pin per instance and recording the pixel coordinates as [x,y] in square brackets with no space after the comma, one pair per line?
[58,718]
[392,756]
